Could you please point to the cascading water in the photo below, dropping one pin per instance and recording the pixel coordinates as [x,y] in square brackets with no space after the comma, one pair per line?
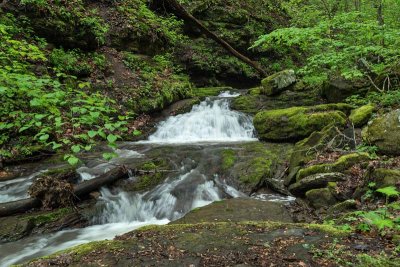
[210,121]
[193,184]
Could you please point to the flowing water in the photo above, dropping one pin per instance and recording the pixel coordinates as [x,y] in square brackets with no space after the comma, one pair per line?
[189,141]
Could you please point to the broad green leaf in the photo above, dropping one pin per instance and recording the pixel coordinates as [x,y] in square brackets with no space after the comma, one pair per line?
[112,138]
[92,134]
[76,148]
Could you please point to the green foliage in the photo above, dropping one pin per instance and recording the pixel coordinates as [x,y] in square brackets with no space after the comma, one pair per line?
[52,111]
[75,62]
[384,99]
[337,41]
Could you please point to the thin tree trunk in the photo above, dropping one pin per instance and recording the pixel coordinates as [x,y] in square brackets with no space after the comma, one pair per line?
[181,12]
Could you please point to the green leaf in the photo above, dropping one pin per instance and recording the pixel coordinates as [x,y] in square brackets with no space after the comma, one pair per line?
[76,148]
[44,137]
[72,160]
[24,128]
[56,145]
[389,191]
[109,156]
[136,132]
[92,133]
[112,138]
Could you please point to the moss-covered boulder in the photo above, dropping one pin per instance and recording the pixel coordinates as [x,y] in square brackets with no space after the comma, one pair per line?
[344,206]
[306,149]
[341,165]
[249,164]
[278,82]
[386,177]
[295,123]
[361,115]
[384,132]
[315,181]
[321,198]
[237,210]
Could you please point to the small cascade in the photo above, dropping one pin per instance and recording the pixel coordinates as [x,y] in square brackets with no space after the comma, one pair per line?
[210,121]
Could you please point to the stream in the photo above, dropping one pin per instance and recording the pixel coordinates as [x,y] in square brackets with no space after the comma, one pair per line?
[190,142]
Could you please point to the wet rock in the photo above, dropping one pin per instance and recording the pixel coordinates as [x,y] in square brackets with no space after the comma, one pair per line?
[297,122]
[180,107]
[278,82]
[384,132]
[320,198]
[315,181]
[341,165]
[14,228]
[248,166]
[236,210]
[361,115]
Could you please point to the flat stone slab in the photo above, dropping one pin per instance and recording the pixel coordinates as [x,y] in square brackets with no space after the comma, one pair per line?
[237,210]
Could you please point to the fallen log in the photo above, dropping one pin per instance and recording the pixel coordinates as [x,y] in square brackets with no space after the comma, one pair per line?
[82,189]
[181,12]
[19,206]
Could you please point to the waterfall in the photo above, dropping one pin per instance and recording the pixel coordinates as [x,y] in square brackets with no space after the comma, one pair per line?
[210,121]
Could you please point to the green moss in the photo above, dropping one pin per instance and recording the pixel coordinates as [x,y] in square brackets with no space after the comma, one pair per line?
[277,82]
[152,176]
[209,91]
[255,91]
[382,260]
[50,216]
[342,164]
[246,103]
[361,115]
[228,158]
[296,122]
[306,149]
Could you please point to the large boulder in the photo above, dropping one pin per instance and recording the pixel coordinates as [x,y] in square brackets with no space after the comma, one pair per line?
[361,115]
[315,181]
[384,132]
[295,123]
[338,89]
[321,198]
[278,82]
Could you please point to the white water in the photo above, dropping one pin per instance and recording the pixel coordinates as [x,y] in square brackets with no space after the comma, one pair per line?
[228,94]
[17,189]
[122,212]
[210,121]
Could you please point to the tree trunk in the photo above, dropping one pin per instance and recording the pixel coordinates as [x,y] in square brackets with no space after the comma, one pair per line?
[82,189]
[181,12]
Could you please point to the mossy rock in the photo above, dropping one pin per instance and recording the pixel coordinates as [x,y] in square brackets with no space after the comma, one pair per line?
[295,123]
[247,165]
[384,132]
[347,205]
[341,165]
[386,177]
[315,181]
[306,149]
[321,198]
[361,115]
[247,103]
[186,244]
[237,210]
[210,91]
[278,82]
